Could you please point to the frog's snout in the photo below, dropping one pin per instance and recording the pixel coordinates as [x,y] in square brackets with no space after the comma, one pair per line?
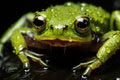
[58,29]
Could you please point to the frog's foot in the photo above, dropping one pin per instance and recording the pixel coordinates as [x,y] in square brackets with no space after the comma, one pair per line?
[90,66]
[35,57]
[23,57]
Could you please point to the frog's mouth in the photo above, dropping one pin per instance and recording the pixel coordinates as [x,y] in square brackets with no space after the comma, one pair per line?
[81,45]
[41,44]
[63,43]
[59,43]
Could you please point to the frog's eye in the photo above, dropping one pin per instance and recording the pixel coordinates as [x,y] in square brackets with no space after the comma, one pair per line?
[40,23]
[81,24]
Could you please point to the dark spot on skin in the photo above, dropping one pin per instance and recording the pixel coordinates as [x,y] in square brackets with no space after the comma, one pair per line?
[65,28]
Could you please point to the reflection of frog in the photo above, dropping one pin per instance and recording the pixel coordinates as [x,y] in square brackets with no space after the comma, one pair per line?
[66,25]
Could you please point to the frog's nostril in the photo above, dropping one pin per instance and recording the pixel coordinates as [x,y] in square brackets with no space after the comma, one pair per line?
[65,28]
[51,27]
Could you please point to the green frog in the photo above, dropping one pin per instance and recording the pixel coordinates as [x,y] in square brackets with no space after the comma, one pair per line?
[82,25]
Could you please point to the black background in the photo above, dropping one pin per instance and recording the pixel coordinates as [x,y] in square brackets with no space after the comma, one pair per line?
[11,10]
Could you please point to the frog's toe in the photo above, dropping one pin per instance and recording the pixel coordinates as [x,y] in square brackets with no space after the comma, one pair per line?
[36,57]
[87,72]
[85,64]
[90,65]
[84,77]
[26,70]
[78,67]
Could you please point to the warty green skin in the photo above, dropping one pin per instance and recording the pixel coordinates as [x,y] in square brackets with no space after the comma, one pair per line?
[103,27]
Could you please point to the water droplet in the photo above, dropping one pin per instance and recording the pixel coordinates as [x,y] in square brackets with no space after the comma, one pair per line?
[84,77]
[46,61]
[70,40]
[74,71]
[68,4]
[45,68]
[117,78]
[52,10]
[83,4]
[107,50]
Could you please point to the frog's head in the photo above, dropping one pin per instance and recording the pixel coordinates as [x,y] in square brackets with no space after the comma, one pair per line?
[64,25]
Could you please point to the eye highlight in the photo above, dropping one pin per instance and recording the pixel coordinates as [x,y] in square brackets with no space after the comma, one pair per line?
[39,23]
[81,24]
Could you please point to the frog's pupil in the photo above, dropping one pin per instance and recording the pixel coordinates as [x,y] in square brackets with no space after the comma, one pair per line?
[38,22]
[83,24]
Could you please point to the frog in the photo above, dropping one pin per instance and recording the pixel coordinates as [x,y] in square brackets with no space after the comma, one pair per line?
[65,25]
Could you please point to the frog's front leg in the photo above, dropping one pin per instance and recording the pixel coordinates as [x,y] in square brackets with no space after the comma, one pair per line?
[20,49]
[22,22]
[104,53]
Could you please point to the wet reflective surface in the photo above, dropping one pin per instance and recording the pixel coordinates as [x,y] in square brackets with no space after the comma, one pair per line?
[60,65]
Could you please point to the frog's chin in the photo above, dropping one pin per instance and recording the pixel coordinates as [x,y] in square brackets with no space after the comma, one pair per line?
[63,43]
